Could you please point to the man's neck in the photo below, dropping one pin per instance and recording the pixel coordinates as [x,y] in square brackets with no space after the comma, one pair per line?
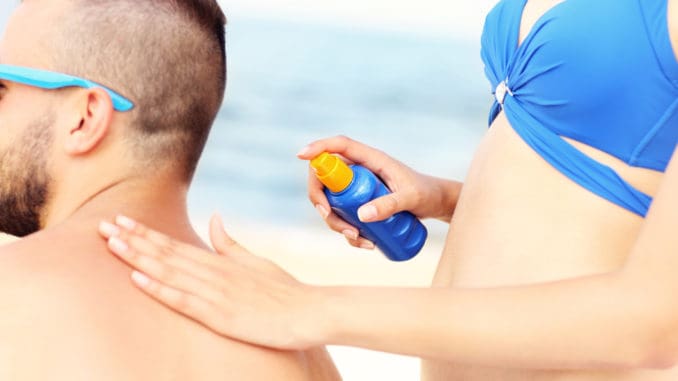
[158,203]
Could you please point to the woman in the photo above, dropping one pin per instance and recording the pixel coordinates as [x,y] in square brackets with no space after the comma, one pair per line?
[555,267]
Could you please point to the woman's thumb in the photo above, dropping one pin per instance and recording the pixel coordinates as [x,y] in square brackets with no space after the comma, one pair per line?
[380,209]
[221,241]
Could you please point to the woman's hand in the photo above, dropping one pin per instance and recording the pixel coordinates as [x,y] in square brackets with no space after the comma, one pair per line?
[424,196]
[236,294]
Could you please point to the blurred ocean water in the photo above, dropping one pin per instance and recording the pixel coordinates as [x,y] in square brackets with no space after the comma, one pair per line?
[424,100]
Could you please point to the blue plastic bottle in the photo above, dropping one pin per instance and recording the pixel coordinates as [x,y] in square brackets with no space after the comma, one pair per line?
[399,237]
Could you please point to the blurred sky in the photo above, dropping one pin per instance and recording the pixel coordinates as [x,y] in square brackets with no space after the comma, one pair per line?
[455,19]
[5,9]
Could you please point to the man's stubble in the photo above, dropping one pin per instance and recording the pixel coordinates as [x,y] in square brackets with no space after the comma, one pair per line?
[25,180]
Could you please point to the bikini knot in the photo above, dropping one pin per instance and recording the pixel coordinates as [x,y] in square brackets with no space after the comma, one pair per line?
[501,91]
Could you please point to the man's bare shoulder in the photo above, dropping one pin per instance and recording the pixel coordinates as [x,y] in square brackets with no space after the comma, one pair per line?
[23,261]
[77,296]
[15,265]
[40,277]
[10,274]
[26,299]
[26,282]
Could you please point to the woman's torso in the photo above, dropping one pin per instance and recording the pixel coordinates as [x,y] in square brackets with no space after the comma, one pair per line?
[519,221]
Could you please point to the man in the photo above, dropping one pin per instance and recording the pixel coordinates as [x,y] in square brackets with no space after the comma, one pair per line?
[73,152]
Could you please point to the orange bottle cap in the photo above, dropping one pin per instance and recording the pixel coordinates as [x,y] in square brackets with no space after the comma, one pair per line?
[332,172]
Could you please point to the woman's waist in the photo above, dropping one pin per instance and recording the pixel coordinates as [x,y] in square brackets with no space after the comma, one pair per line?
[508,173]
[528,240]
[516,211]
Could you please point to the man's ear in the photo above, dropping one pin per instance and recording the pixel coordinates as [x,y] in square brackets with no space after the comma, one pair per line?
[93,123]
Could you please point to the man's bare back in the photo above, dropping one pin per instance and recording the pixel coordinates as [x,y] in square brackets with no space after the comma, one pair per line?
[71,313]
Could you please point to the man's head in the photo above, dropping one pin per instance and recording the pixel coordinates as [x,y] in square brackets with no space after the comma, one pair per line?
[166,56]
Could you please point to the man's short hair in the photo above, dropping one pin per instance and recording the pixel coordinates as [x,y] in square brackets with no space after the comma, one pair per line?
[167,56]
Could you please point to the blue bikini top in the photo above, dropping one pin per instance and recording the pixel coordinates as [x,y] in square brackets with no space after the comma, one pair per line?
[601,72]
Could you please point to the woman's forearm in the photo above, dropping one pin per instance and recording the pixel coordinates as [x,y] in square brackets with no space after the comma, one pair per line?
[585,323]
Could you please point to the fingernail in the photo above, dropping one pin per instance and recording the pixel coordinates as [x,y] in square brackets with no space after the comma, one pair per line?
[117,245]
[108,229]
[324,213]
[350,234]
[140,279]
[367,213]
[125,222]
[367,245]
[304,151]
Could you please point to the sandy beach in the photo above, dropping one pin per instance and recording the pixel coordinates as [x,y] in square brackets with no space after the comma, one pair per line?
[318,256]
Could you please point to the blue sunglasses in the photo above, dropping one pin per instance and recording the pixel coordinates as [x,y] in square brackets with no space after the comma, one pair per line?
[51,80]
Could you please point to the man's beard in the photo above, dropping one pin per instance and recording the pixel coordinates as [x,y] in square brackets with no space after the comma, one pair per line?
[24,180]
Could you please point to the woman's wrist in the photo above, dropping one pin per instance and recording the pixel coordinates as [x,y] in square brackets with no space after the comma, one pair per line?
[320,321]
[332,315]
[362,316]
[325,323]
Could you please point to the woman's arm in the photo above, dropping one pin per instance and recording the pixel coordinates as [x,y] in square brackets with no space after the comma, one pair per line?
[579,324]
[624,319]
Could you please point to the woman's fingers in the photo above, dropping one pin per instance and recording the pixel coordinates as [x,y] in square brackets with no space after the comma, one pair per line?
[221,241]
[167,267]
[361,243]
[340,226]
[352,150]
[384,207]
[351,234]
[159,256]
[191,305]
[157,241]
[316,195]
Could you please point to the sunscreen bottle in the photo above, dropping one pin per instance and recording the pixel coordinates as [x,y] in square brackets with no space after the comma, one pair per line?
[399,237]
